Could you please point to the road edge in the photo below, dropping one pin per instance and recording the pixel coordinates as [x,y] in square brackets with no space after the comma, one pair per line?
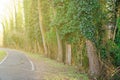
[4,58]
[32,65]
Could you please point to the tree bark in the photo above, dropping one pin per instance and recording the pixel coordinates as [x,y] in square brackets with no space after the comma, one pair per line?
[41,28]
[94,65]
[68,54]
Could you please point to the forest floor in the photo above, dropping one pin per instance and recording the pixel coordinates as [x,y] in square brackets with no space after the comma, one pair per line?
[47,69]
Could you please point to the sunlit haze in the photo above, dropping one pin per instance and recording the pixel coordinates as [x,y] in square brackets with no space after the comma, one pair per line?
[1,35]
[5,8]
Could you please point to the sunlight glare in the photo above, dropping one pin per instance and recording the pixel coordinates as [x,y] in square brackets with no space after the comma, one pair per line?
[1,35]
[5,7]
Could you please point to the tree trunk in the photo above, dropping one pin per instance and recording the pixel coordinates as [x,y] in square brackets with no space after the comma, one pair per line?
[15,15]
[94,65]
[60,50]
[41,28]
[68,54]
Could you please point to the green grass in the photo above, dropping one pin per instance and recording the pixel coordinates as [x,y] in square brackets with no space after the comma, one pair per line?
[64,72]
[2,55]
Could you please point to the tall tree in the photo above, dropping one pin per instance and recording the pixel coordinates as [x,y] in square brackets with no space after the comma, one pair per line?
[41,28]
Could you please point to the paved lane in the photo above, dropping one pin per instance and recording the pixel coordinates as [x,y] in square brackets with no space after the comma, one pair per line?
[16,66]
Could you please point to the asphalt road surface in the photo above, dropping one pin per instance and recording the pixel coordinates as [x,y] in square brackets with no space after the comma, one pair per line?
[16,66]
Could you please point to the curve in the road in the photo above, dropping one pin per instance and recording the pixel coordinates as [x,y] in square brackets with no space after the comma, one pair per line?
[4,58]
[32,65]
[16,66]
[14,58]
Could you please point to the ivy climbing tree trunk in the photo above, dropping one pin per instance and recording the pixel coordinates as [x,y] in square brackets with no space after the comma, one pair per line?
[60,50]
[68,54]
[41,29]
[94,65]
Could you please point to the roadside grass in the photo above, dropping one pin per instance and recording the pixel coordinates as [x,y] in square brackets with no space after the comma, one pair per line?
[60,70]
[2,55]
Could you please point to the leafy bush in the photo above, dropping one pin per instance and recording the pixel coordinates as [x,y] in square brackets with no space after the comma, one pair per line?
[112,50]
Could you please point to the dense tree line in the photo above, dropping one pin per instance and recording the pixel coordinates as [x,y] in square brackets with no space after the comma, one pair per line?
[77,32]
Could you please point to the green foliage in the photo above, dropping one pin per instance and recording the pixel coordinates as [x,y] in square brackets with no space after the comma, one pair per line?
[51,35]
[89,19]
[117,41]
[116,76]
[32,21]
[110,49]
[74,20]
[52,42]
[67,20]
[117,37]
[79,57]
